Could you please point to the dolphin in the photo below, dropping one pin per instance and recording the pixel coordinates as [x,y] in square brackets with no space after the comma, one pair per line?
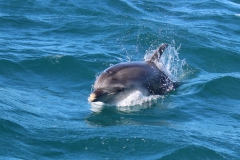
[120,80]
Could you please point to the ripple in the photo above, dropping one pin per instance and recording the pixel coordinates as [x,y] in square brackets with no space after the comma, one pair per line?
[194,152]
[8,128]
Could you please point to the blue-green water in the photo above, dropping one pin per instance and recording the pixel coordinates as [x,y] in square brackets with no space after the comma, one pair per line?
[51,52]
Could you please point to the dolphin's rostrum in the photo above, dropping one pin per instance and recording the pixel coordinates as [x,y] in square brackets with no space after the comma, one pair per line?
[120,80]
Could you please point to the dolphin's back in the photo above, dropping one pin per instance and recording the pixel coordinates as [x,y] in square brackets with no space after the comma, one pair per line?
[145,74]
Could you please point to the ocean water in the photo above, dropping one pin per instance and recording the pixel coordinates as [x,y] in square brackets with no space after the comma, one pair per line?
[52,51]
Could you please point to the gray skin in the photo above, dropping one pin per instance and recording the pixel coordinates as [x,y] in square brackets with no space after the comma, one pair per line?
[120,80]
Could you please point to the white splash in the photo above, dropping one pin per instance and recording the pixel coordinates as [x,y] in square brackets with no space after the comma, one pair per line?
[137,98]
[135,101]
[170,63]
[97,106]
[55,59]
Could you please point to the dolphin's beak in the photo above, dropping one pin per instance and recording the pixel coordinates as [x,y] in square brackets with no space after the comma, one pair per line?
[92,97]
[96,95]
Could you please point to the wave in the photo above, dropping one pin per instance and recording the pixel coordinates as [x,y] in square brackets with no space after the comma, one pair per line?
[194,152]
[22,22]
[216,85]
[52,73]
[59,64]
[8,128]
[221,87]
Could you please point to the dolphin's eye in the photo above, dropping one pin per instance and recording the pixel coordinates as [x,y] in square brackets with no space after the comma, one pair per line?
[121,89]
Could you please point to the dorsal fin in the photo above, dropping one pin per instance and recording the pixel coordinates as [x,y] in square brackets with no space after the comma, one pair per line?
[158,53]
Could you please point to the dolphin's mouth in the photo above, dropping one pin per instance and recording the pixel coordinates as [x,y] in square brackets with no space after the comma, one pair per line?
[92,97]
[98,95]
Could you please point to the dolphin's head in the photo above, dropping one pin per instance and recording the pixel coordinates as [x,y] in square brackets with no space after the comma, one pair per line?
[109,88]
[114,84]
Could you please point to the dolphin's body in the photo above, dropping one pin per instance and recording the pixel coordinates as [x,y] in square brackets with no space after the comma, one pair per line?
[120,80]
